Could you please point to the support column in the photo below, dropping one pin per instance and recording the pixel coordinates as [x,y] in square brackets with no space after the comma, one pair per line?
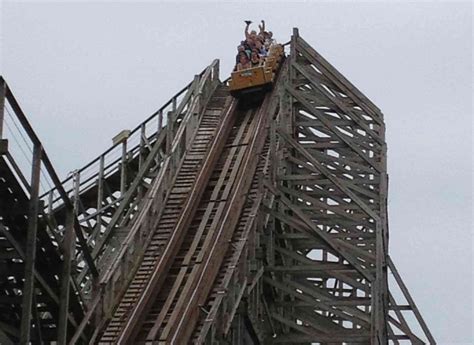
[3,142]
[28,287]
[380,290]
[123,169]
[68,248]
[2,105]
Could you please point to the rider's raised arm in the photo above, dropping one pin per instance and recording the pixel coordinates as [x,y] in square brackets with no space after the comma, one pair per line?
[246,31]
[262,27]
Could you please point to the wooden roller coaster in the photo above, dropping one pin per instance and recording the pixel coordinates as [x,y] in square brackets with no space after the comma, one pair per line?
[211,222]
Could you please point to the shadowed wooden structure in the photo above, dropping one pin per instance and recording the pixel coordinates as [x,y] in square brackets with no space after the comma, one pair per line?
[212,222]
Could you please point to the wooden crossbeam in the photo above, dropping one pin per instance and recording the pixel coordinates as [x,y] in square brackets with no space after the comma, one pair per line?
[337,78]
[337,182]
[331,242]
[299,97]
[311,76]
[410,300]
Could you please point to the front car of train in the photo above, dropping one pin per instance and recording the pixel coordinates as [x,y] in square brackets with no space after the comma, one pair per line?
[257,78]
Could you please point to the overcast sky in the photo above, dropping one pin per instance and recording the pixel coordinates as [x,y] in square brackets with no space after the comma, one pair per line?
[84,71]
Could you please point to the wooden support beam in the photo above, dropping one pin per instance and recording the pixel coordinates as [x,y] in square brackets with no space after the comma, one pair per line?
[330,241]
[123,168]
[68,250]
[410,301]
[100,193]
[312,76]
[337,182]
[127,197]
[22,255]
[3,87]
[28,287]
[299,97]
[341,81]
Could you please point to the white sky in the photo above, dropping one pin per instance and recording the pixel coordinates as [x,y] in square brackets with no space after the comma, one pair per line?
[84,71]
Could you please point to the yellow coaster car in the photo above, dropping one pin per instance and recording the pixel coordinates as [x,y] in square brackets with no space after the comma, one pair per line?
[259,78]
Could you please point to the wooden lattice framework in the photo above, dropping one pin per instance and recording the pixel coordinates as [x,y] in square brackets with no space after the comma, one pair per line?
[327,247]
[314,262]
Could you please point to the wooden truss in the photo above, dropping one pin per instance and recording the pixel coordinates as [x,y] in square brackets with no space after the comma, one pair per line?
[312,266]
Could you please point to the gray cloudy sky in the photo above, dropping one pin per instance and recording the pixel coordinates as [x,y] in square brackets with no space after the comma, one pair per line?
[84,71]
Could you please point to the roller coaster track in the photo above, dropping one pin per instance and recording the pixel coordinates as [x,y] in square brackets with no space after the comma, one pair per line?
[214,222]
[194,229]
[187,189]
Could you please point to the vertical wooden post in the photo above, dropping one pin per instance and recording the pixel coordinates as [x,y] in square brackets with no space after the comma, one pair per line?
[293,54]
[169,132]
[197,94]
[160,121]
[142,145]
[2,105]
[28,287]
[174,103]
[289,81]
[68,248]
[274,166]
[76,184]
[100,191]
[123,172]
[141,155]
[380,294]
[50,202]
[217,71]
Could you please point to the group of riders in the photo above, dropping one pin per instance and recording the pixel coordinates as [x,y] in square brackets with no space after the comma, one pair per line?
[253,50]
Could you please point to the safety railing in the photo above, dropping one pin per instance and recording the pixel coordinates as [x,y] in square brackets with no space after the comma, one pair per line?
[110,161]
[116,277]
[19,142]
[25,163]
[23,153]
[181,119]
[159,130]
